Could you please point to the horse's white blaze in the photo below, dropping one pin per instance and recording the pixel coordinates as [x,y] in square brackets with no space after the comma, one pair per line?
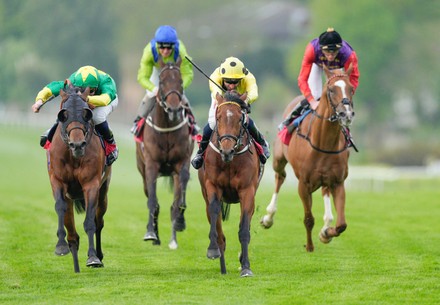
[328,216]
[341,84]
[229,114]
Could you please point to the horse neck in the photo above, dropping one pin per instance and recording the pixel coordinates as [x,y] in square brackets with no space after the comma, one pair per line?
[325,134]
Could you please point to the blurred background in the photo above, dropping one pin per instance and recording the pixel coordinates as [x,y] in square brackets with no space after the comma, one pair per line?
[397,103]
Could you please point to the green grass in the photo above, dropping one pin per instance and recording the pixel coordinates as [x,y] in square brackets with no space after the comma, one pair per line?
[390,253]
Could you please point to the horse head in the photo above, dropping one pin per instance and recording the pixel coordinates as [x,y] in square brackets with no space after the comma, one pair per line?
[170,89]
[339,93]
[231,120]
[75,119]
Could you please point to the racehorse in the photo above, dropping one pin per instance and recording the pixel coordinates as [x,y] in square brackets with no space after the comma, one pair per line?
[165,150]
[231,174]
[318,152]
[78,176]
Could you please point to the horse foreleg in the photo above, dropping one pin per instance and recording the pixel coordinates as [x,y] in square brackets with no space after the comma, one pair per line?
[328,216]
[99,220]
[61,247]
[309,220]
[214,212]
[91,197]
[150,181]
[244,235]
[338,194]
[72,235]
[279,165]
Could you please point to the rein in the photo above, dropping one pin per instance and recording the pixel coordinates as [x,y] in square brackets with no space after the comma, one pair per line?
[333,118]
[161,99]
[236,139]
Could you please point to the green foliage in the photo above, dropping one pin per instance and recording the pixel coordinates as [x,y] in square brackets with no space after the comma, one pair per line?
[388,255]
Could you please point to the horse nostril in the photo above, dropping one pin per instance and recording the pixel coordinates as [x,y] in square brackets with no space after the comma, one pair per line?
[343,114]
[71,145]
[83,144]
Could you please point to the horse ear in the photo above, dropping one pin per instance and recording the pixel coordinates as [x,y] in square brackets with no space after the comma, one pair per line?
[179,61]
[87,114]
[243,97]
[85,94]
[63,94]
[218,97]
[62,115]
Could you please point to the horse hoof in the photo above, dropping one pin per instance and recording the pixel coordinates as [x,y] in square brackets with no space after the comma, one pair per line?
[266,222]
[246,273]
[213,253]
[150,236]
[62,250]
[172,245]
[94,262]
[324,238]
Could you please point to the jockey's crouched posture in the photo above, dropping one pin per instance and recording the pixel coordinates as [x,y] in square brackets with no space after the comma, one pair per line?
[231,75]
[167,45]
[103,99]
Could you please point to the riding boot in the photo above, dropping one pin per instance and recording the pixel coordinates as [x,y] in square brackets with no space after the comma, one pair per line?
[296,112]
[258,137]
[48,135]
[147,104]
[197,161]
[111,150]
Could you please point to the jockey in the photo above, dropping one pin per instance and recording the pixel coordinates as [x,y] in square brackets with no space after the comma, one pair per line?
[328,49]
[165,44]
[231,75]
[103,99]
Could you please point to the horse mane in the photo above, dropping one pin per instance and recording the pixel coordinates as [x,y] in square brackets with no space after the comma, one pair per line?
[233,96]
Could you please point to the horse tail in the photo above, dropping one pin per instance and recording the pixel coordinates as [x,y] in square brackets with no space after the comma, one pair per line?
[80,205]
[226,208]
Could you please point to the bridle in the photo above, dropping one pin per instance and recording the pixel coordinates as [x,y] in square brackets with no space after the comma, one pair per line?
[86,127]
[162,101]
[162,96]
[235,138]
[335,116]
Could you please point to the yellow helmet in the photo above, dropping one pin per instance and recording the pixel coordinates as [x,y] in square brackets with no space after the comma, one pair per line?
[233,68]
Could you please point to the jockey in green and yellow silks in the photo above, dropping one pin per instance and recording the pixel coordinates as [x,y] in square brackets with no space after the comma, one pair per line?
[103,99]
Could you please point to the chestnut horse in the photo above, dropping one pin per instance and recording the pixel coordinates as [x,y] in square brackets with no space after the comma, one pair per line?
[231,174]
[78,176]
[165,150]
[318,152]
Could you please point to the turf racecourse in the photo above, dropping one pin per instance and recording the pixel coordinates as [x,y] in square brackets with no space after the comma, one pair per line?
[390,253]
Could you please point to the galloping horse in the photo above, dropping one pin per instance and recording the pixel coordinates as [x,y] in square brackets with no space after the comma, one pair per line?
[318,152]
[165,150]
[78,176]
[231,174]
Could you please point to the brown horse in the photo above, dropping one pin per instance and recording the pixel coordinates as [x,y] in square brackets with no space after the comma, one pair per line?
[231,174]
[165,150]
[78,176]
[318,152]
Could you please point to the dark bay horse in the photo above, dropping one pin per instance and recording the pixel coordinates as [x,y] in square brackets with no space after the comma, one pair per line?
[78,176]
[318,152]
[165,150]
[231,174]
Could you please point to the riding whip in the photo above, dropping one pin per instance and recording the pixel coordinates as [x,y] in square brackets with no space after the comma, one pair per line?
[223,90]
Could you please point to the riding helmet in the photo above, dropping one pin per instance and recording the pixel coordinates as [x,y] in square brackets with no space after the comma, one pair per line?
[86,76]
[166,34]
[330,40]
[233,68]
